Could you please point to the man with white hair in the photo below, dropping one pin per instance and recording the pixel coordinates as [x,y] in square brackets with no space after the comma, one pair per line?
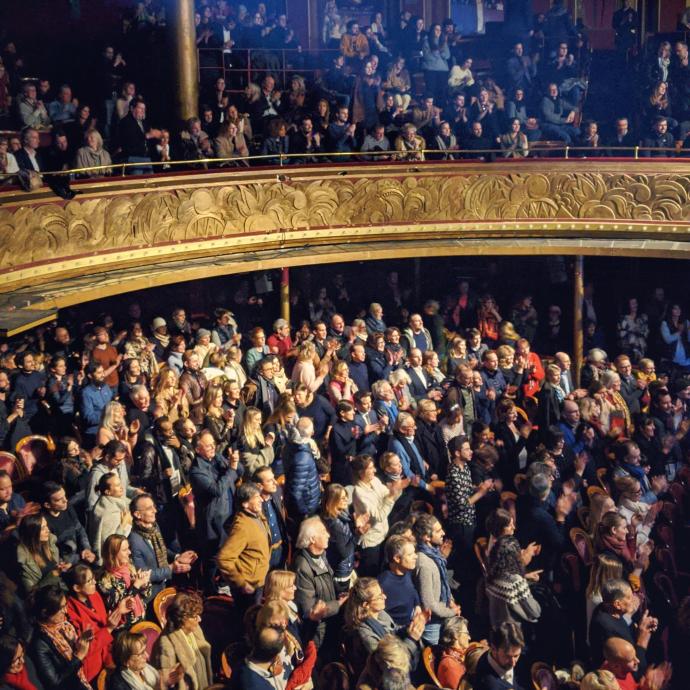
[280,342]
[315,597]
[595,365]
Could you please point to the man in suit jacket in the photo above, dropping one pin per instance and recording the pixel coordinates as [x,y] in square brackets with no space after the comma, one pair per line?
[134,135]
[632,389]
[29,157]
[213,480]
[402,443]
[496,668]
[419,385]
[274,512]
[149,551]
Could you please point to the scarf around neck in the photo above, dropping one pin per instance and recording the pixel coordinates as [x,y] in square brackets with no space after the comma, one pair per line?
[435,555]
[155,538]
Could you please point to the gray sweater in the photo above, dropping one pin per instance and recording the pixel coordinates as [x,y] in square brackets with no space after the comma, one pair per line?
[428,580]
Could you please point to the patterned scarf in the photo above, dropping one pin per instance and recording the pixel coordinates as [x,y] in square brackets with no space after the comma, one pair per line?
[155,538]
[64,637]
[435,555]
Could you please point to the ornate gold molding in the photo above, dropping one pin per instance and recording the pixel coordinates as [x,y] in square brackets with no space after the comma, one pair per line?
[130,223]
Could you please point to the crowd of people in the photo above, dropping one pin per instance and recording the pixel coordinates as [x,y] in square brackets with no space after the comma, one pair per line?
[402,91]
[372,497]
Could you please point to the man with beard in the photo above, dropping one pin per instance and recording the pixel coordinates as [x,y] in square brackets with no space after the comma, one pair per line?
[159,471]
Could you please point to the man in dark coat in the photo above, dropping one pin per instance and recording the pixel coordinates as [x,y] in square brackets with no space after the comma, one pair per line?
[315,598]
[213,480]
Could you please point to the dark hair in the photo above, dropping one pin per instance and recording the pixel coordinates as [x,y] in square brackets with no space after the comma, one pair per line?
[77,575]
[8,648]
[344,406]
[48,490]
[506,635]
[267,644]
[456,443]
[113,448]
[256,477]
[497,522]
[133,504]
[30,536]
[360,463]
[246,492]
[46,601]
[505,558]
[104,482]
[424,526]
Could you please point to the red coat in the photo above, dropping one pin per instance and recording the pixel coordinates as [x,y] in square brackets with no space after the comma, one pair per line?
[94,618]
[536,377]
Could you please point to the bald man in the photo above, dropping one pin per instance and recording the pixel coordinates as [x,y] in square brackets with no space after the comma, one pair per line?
[621,659]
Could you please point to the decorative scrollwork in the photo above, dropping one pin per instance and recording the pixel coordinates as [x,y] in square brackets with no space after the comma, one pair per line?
[38,231]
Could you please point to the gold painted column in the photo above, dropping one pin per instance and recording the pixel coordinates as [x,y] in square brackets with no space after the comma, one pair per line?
[578,334]
[186,61]
[285,294]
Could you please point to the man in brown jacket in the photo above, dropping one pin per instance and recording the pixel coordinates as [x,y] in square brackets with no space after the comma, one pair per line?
[244,558]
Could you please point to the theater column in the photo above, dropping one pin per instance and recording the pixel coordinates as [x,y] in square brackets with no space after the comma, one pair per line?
[285,294]
[578,335]
[186,64]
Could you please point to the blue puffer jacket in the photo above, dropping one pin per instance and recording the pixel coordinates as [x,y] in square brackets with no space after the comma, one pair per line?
[302,482]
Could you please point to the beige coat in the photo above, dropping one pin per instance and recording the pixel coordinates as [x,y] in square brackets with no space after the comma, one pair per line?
[173,648]
[106,519]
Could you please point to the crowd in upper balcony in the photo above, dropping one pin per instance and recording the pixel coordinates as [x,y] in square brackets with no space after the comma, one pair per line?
[384,92]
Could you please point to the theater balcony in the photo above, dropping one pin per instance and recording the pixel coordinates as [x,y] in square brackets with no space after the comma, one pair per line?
[127,233]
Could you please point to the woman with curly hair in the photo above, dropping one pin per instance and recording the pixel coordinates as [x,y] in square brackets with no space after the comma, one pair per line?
[183,643]
[169,398]
[507,585]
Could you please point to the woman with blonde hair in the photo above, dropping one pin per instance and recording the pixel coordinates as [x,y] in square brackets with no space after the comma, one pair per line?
[256,450]
[636,512]
[93,155]
[400,383]
[456,355]
[604,568]
[305,369]
[114,427]
[132,670]
[366,623]
[280,586]
[233,365]
[599,680]
[599,505]
[341,387]
[391,654]
[170,400]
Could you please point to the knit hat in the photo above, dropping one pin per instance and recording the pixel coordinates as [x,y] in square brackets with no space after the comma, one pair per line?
[203,333]
[158,322]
